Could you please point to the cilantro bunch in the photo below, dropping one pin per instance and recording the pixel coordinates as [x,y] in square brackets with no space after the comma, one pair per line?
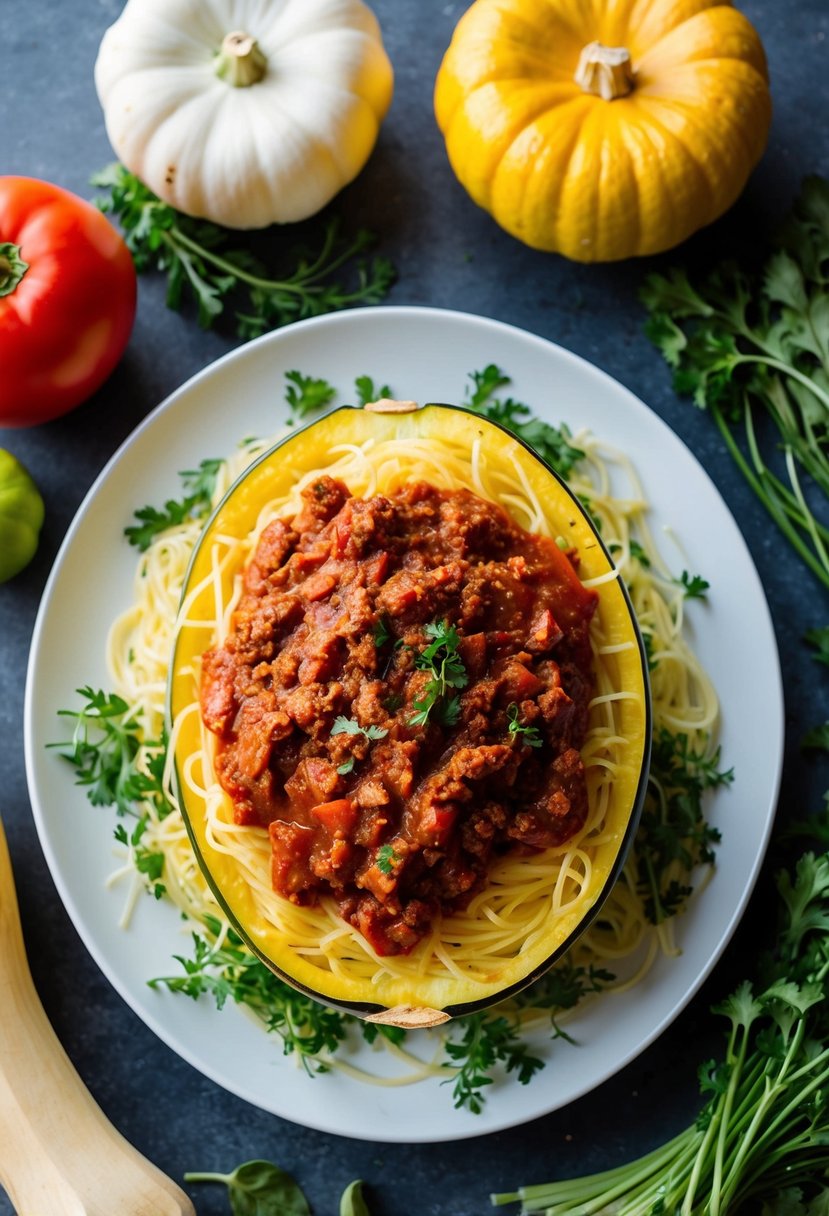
[752,347]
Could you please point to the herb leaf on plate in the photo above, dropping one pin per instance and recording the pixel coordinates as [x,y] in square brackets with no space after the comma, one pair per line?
[552,443]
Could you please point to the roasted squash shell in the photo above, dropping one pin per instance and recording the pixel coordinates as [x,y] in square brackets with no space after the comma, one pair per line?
[410,1000]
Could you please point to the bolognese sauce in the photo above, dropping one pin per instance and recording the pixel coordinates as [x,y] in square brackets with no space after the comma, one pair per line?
[401,697]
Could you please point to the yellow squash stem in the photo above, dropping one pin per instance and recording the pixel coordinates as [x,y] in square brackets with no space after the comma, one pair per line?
[605,71]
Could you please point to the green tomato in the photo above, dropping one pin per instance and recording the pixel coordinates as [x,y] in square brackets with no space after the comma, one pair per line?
[21,516]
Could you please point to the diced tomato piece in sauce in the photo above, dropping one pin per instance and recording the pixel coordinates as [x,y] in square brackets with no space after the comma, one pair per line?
[340,815]
[291,846]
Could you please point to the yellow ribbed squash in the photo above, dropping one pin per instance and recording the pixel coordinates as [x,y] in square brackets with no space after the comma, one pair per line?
[603,129]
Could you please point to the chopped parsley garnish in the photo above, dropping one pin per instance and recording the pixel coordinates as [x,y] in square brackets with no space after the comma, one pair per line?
[349,726]
[382,633]
[366,390]
[446,670]
[199,486]
[386,859]
[550,442]
[694,586]
[529,734]
[306,394]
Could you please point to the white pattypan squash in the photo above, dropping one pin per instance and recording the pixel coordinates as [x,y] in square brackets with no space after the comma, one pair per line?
[244,112]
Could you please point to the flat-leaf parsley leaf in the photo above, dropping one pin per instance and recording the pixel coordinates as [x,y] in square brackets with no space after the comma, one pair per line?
[201,259]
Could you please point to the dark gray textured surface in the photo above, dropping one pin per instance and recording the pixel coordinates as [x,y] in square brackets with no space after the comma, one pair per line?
[448,254]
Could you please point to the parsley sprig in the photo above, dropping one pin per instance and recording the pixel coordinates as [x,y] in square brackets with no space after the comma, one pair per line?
[367,390]
[199,486]
[487,1040]
[562,989]
[201,260]
[694,586]
[674,836]
[752,348]
[306,394]
[118,767]
[225,969]
[552,443]
[386,859]
[528,734]
[106,740]
[446,670]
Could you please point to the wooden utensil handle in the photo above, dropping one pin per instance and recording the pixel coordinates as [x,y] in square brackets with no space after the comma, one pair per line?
[59,1154]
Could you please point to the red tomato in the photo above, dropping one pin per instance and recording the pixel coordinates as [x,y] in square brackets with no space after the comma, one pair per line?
[65,320]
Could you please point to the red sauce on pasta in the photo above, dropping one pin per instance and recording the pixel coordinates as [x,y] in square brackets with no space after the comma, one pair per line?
[402,696]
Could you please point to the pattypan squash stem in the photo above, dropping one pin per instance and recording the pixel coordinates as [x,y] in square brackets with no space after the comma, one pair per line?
[240,63]
[12,267]
[604,71]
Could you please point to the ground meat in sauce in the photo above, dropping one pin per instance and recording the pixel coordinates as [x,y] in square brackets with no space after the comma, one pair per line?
[401,822]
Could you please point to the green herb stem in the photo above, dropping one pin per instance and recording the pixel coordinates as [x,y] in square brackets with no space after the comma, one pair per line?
[582,1197]
[780,516]
[300,285]
[768,1114]
[786,369]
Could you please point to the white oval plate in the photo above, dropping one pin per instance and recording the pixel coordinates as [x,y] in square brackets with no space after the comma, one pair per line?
[425,354]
